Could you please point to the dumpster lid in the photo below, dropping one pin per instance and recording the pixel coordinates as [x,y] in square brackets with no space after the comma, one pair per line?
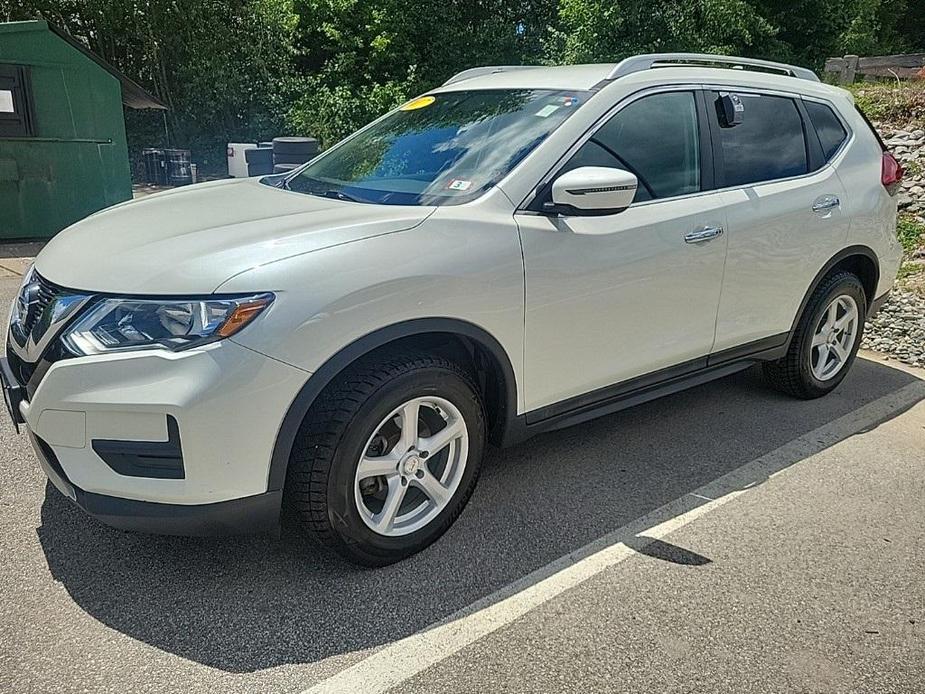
[133,94]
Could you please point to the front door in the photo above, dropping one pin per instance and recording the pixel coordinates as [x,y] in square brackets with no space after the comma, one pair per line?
[610,298]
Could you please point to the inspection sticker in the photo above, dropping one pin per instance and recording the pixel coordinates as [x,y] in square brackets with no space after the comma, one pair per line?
[569,100]
[459,184]
[547,110]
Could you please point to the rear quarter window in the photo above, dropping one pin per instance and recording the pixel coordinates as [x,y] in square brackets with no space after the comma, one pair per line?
[828,127]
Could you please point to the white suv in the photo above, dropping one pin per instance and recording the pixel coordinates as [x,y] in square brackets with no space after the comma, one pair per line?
[517,251]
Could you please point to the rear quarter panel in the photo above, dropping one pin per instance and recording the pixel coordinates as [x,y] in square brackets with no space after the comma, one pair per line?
[871,209]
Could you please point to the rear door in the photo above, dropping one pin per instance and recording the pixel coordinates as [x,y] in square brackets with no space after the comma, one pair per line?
[784,208]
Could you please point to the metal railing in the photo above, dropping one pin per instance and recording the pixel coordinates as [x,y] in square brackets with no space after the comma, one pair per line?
[638,63]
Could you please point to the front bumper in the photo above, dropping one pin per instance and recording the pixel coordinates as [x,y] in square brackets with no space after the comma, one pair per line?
[258,513]
[155,441]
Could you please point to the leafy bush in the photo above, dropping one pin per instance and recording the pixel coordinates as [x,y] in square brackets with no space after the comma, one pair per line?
[897,102]
[911,233]
[330,113]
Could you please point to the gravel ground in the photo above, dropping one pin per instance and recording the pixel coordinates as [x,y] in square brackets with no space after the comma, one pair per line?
[899,329]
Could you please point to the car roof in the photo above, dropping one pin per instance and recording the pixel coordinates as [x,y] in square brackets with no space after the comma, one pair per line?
[598,76]
[581,77]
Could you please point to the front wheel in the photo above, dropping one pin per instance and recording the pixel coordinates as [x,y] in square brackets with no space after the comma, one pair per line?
[826,340]
[388,457]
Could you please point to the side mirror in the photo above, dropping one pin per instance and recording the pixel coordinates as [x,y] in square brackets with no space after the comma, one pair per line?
[594,190]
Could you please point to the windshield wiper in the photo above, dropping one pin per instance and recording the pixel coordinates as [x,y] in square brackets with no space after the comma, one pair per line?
[336,194]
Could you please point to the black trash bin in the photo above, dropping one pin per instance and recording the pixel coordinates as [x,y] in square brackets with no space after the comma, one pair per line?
[179,169]
[155,166]
[259,161]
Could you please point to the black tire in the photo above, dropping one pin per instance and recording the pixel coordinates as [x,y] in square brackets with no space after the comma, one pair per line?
[793,373]
[285,168]
[295,145]
[320,484]
[297,159]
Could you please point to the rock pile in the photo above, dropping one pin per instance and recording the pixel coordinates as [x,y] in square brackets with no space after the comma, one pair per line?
[899,329]
[909,147]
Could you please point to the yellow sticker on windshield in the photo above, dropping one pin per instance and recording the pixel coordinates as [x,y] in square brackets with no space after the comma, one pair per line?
[420,102]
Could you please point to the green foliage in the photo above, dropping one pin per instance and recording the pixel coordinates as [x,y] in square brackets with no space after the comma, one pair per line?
[592,31]
[812,30]
[898,102]
[907,270]
[911,233]
[331,112]
[361,57]
[251,69]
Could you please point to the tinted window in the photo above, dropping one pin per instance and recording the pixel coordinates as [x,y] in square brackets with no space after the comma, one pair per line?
[767,144]
[828,127]
[656,138]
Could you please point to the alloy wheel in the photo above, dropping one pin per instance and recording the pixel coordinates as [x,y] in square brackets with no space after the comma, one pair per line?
[411,466]
[834,337]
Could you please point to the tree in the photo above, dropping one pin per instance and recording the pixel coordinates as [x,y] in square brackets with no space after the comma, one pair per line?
[360,57]
[218,64]
[592,31]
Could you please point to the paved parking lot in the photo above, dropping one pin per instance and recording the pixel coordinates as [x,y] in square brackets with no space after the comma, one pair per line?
[723,539]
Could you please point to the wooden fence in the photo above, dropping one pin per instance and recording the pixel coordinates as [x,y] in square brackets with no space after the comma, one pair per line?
[849,68]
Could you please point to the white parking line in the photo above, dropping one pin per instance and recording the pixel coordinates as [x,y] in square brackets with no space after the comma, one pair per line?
[403,659]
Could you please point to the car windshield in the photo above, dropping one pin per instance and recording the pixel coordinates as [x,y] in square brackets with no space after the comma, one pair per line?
[441,149]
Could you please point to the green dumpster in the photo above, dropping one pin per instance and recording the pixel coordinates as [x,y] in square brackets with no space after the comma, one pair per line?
[63,153]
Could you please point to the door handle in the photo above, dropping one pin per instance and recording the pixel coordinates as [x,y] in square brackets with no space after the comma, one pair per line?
[826,203]
[704,234]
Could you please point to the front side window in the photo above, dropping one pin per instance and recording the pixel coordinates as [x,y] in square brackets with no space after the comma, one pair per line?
[656,138]
[768,144]
[446,148]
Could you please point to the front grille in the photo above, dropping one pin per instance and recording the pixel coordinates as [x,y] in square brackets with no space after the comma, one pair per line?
[34,299]
[45,293]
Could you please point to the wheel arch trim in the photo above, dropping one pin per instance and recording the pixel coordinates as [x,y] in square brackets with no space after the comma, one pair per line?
[842,255]
[320,379]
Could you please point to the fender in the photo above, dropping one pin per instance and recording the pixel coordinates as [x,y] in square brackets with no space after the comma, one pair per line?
[285,438]
[832,262]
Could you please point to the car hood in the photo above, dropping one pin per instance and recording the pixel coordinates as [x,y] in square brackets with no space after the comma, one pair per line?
[190,240]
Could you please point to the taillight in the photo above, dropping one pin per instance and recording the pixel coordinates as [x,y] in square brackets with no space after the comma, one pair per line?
[891,173]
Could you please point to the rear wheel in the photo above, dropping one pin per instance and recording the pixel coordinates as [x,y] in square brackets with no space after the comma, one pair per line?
[388,457]
[826,339]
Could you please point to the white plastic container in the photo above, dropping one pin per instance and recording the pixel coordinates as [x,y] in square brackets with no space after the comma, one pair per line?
[237,164]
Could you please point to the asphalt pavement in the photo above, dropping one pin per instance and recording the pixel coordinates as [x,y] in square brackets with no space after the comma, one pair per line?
[724,539]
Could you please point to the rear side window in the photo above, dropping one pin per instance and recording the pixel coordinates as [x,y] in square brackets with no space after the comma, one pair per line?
[768,144]
[656,138]
[829,129]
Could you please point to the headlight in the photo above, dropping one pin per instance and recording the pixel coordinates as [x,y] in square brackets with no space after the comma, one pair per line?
[175,324]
